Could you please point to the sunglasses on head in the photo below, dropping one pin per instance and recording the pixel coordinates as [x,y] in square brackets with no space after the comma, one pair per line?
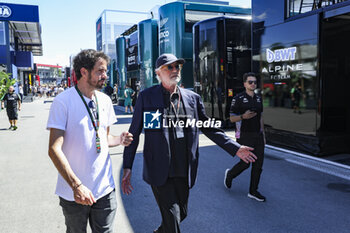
[171,67]
[251,82]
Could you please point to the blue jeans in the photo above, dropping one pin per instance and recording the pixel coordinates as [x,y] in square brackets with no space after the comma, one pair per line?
[100,215]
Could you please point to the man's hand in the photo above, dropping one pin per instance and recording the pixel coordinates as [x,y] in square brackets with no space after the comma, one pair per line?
[126,185]
[126,138]
[248,114]
[246,155]
[83,196]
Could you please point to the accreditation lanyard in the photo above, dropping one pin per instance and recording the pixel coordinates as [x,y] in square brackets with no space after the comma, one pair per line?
[178,130]
[176,111]
[96,123]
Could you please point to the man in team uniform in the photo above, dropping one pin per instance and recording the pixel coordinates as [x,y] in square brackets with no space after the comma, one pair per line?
[246,110]
[13,103]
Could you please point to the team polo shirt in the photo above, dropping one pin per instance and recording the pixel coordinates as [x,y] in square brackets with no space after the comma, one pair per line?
[12,99]
[69,113]
[240,104]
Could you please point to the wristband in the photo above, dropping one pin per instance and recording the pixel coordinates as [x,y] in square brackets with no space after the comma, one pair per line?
[241,117]
[74,188]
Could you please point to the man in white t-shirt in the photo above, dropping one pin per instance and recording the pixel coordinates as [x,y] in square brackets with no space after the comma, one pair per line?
[60,90]
[20,91]
[79,124]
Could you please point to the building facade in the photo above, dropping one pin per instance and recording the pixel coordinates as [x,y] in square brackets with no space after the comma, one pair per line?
[20,40]
[49,74]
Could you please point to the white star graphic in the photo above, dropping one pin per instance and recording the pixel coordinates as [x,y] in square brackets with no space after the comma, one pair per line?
[156,115]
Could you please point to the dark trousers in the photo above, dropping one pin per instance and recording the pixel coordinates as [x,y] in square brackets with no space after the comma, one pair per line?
[257,142]
[172,199]
[100,215]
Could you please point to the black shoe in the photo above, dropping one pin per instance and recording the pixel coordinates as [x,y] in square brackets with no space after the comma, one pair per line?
[227,181]
[11,127]
[257,196]
[14,127]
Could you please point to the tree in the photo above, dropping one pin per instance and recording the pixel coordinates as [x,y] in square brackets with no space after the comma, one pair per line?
[59,73]
[5,83]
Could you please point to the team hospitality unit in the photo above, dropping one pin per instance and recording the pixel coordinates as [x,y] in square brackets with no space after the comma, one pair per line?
[171,118]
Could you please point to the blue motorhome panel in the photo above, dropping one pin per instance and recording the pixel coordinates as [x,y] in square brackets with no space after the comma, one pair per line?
[133,38]
[269,12]
[148,52]
[287,60]
[173,38]
[290,32]
[175,35]
[222,55]
[99,34]
[334,74]
[171,24]
[121,65]
[303,64]
[218,8]
[132,52]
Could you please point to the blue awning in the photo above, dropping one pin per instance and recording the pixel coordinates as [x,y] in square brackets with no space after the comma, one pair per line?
[24,20]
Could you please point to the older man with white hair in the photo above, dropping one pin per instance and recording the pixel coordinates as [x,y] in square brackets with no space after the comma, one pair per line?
[172,117]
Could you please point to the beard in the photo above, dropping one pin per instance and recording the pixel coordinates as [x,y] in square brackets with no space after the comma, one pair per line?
[98,85]
[174,80]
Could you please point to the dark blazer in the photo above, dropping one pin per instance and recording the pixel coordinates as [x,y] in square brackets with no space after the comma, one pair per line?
[156,151]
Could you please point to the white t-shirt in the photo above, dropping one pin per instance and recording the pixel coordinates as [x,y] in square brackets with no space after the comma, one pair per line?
[69,113]
[60,90]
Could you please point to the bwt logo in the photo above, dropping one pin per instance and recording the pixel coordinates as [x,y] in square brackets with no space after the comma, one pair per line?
[151,120]
[286,54]
[5,11]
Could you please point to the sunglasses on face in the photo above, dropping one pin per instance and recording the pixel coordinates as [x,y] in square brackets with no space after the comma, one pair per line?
[171,67]
[251,82]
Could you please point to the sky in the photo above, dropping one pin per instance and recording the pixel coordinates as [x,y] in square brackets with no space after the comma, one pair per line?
[70,25]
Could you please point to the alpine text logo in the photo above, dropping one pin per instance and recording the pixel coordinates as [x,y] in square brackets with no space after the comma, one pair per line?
[5,11]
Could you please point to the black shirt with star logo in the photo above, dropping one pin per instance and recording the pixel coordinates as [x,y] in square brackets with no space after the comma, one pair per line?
[243,102]
[11,99]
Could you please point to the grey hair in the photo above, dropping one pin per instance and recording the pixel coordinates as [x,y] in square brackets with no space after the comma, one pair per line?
[159,81]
